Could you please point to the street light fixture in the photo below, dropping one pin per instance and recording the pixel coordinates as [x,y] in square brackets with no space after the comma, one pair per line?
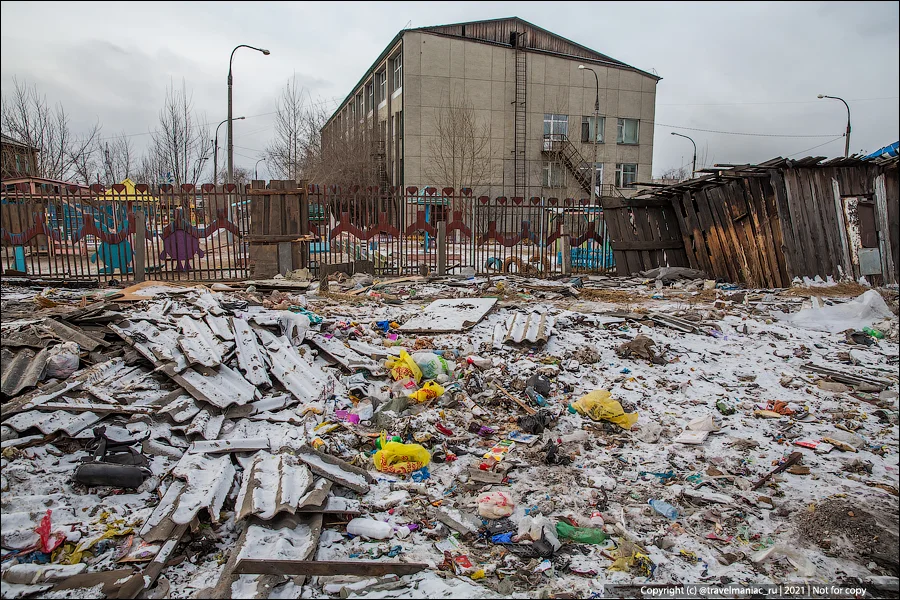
[694,164]
[256,168]
[216,150]
[596,127]
[230,81]
[847,142]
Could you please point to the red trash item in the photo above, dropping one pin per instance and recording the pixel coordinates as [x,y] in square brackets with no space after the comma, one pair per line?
[43,530]
[443,430]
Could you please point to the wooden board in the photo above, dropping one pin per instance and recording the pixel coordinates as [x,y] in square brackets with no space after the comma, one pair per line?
[322,568]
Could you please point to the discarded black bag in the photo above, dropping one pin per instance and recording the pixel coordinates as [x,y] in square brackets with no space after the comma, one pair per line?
[113,463]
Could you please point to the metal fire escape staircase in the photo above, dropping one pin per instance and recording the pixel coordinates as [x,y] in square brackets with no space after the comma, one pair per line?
[564,151]
[520,121]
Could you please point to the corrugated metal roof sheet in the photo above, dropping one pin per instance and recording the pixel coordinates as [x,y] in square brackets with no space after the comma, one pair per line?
[199,343]
[307,382]
[250,355]
[531,327]
[221,386]
[47,423]
[21,370]
[153,343]
[201,482]
[272,484]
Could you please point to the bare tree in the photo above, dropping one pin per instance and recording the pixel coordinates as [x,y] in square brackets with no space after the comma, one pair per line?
[296,133]
[344,158]
[676,174]
[27,117]
[182,140]
[459,154]
[119,160]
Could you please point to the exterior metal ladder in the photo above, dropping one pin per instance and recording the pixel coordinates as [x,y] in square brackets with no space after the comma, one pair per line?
[521,124]
[559,145]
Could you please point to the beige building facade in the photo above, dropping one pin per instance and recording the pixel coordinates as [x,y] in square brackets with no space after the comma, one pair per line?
[528,96]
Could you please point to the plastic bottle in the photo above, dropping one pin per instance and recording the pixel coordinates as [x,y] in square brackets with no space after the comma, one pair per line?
[370,528]
[664,508]
[874,333]
[724,407]
[403,532]
[481,363]
[535,397]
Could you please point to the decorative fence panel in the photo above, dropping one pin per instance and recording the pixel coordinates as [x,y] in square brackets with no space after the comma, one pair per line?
[190,233]
[398,231]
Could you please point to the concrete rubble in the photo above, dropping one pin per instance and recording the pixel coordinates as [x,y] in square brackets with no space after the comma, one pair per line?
[447,436]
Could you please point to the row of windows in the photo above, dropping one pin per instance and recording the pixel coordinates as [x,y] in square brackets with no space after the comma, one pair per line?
[627,130]
[554,174]
[376,91]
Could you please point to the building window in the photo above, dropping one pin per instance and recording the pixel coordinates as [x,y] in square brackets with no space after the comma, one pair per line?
[381,82]
[369,104]
[586,169]
[397,68]
[628,131]
[590,131]
[359,106]
[556,128]
[626,175]
[554,175]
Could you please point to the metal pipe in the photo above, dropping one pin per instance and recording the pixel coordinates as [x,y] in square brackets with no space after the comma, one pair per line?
[594,141]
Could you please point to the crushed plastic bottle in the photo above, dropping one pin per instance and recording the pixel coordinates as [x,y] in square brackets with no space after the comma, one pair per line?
[873,332]
[664,508]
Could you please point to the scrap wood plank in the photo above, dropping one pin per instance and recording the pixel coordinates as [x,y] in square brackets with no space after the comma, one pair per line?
[110,580]
[524,406]
[143,580]
[407,279]
[97,408]
[673,322]
[329,567]
[848,378]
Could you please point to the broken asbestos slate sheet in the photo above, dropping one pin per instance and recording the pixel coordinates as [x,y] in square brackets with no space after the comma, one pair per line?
[447,316]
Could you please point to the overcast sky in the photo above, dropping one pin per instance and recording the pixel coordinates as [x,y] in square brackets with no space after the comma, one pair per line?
[732,67]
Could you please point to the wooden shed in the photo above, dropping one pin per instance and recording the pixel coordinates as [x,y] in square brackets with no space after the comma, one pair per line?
[762,225]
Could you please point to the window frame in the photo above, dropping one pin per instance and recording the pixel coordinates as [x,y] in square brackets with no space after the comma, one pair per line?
[620,132]
[620,175]
[599,167]
[397,71]
[585,120]
[381,87]
[548,170]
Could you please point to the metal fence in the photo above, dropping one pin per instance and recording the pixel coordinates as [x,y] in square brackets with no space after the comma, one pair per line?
[398,231]
[76,233]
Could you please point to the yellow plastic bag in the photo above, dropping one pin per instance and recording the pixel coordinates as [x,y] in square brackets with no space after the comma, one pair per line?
[430,390]
[404,366]
[600,406]
[400,458]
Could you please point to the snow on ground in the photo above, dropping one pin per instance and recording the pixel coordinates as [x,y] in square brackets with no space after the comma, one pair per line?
[836,523]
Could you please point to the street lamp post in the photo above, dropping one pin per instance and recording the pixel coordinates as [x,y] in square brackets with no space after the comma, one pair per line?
[847,142]
[596,128]
[216,150]
[230,137]
[197,168]
[256,168]
[694,164]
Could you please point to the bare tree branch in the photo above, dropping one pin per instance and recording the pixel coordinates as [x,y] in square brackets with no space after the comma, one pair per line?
[182,140]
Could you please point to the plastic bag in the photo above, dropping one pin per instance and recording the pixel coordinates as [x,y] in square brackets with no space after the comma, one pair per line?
[536,528]
[293,326]
[431,364]
[62,360]
[50,540]
[400,458]
[495,505]
[404,366]
[600,406]
[582,535]
[430,390]
[864,311]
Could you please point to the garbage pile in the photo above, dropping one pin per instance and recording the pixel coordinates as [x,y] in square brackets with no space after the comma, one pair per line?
[464,437]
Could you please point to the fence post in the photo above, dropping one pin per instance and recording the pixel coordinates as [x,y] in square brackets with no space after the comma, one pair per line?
[566,252]
[140,246]
[442,248]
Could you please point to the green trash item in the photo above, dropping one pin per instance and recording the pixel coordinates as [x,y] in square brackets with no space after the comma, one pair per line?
[725,408]
[584,535]
[874,333]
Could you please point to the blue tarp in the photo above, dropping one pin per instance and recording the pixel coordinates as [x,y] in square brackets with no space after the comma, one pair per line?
[886,152]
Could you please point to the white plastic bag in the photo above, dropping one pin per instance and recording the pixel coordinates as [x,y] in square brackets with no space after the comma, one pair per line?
[294,326]
[535,527]
[495,505]
[62,361]
[431,365]
[865,310]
